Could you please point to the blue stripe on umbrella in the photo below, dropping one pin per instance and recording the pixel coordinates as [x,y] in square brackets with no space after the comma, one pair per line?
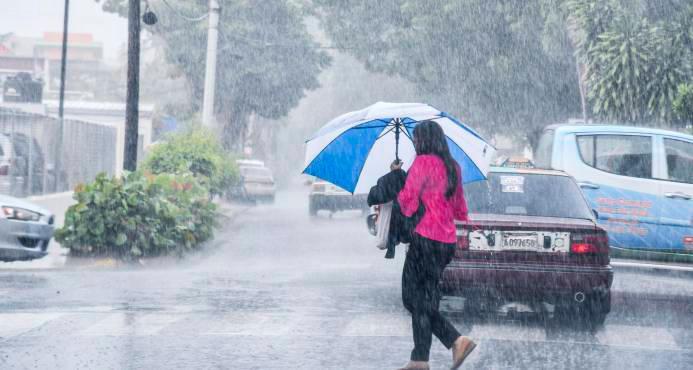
[341,161]
[470,172]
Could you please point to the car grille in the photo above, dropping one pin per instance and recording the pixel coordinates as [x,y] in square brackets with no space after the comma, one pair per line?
[29,242]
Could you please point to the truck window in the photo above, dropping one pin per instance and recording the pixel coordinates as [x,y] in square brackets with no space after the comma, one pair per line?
[679,160]
[542,156]
[625,155]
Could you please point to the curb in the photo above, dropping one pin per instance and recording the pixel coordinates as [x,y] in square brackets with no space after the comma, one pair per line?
[38,198]
[652,256]
[676,302]
[635,265]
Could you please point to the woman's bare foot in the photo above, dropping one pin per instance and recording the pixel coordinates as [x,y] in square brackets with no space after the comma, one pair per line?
[462,347]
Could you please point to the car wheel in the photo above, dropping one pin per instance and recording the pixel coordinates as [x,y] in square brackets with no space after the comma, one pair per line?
[596,307]
[312,208]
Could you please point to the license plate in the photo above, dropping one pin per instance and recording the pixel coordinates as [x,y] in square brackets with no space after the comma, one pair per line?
[520,241]
[535,241]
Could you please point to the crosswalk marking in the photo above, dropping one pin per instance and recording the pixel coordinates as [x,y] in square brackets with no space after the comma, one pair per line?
[508,332]
[121,324]
[633,336]
[254,324]
[100,323]
[12,324]
[378,326]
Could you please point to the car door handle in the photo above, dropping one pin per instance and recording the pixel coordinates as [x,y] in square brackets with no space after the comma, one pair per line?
[588,185]
[678,195]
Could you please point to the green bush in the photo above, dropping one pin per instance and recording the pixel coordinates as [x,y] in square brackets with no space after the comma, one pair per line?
[138,215]
[195,151]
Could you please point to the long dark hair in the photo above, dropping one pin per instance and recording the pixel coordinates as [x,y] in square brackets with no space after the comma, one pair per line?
[430,139]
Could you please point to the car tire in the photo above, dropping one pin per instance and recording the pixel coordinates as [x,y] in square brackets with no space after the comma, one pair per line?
[596,307]
[312,208]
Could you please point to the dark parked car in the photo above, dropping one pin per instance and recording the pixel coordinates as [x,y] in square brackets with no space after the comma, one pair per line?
[531,237]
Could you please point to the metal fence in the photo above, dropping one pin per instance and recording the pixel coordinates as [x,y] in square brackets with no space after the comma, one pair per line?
[29,149]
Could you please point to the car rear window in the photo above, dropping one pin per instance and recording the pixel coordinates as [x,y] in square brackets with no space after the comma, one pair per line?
[528,195]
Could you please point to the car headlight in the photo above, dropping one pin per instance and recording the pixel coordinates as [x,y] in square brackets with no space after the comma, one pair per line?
[14,213]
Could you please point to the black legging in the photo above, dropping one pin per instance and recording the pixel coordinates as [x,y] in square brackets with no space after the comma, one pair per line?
[421,294]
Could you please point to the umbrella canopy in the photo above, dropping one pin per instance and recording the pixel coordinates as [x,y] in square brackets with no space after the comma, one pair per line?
[355,149]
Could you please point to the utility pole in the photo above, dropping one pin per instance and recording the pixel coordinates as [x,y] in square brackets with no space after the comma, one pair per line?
[57,186]
[211,64]
[133,87]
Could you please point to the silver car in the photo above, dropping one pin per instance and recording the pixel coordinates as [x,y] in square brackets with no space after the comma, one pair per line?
[25,229]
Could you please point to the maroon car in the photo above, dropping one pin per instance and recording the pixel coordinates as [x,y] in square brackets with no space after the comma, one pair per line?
[531,237]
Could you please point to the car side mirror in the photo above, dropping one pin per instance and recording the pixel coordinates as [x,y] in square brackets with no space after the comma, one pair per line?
[596,214]
[370,221]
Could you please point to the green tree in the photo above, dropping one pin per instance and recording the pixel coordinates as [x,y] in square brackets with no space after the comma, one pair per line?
[266,59]
[198,151]
[636,55]
[683,104]
[501,66]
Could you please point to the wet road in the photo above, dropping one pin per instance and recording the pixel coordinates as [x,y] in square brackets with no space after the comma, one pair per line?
[281,291]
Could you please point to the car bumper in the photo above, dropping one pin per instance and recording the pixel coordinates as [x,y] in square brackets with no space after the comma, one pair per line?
[9,253]
[21,240]
[513,279]
[339,201]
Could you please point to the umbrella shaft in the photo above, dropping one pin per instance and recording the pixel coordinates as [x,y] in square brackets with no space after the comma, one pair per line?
[397,126]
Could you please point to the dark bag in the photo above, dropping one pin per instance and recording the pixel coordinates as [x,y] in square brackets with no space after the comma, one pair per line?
[401,227]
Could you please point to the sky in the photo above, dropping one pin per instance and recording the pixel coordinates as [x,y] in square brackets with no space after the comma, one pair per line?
[33,17]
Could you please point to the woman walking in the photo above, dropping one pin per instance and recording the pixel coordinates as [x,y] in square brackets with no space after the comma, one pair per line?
[434,182]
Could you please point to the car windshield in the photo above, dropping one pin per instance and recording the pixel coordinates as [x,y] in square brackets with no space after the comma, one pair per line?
[256,172]
[528,195]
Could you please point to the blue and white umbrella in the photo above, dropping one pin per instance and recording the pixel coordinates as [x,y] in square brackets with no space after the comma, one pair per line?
[355,149]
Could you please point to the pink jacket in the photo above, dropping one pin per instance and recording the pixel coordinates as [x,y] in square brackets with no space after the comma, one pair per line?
[427,180]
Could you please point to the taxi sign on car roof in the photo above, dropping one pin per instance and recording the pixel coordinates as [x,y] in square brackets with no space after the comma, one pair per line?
[515,162]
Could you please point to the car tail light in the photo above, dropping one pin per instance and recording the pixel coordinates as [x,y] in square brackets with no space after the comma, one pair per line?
[4,170]
[589,244]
